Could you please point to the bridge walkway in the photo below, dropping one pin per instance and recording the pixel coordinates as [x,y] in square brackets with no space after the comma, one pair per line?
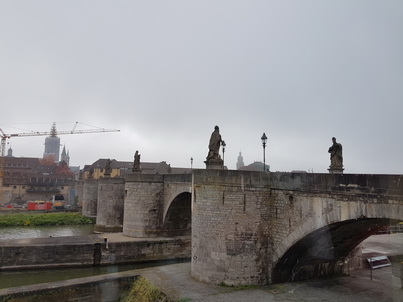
[176,281]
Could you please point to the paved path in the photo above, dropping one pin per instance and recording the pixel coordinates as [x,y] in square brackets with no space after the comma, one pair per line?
[176,281]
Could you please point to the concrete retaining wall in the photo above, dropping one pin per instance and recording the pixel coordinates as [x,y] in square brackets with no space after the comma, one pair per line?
[97,288]
[19,256]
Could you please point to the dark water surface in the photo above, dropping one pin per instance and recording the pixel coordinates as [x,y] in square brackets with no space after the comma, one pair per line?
[21,278]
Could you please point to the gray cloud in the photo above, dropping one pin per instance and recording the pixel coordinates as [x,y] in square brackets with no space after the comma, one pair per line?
[166,72]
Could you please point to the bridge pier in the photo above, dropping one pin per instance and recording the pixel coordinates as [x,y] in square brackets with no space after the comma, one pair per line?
[110,205]
[143,205]
[231,227]
[90,197]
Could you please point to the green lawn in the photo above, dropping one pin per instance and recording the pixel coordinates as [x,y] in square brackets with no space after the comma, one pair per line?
[37,219]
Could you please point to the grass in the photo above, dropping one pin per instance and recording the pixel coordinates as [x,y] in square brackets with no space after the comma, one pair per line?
[142,290]
[60,218]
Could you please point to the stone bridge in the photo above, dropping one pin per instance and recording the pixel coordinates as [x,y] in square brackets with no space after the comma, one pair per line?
[259,228]
[157,205]
[253,228]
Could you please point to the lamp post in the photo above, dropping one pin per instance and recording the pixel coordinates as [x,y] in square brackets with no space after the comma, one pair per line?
[191,163]
[223,144]
[264,141]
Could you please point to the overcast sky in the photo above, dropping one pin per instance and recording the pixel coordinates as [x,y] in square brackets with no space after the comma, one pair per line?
[165,72]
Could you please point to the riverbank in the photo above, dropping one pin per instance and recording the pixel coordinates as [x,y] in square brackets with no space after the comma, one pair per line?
[41,219]
[176,281]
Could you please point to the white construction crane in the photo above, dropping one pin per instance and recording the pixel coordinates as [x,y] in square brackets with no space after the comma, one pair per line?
[53,132]
[5,136]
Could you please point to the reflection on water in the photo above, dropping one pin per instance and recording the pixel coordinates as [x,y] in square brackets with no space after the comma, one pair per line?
[45,231]
[21,278]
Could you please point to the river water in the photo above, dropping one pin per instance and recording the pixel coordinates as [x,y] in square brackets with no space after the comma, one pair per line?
[45,231]
[20,278]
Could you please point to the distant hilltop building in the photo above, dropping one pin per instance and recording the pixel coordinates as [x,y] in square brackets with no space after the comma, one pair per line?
[240,163]
[256,166]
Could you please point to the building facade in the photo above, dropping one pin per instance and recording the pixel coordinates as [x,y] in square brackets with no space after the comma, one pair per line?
[30,179]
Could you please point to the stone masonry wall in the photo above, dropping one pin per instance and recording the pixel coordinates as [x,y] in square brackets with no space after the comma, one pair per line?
[143,206]
[79,187]
[230,227]
[110,205]
[90,197]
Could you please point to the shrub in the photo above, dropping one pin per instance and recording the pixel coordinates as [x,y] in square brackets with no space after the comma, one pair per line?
[144,291]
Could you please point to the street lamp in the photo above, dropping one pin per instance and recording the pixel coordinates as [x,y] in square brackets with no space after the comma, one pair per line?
[191,163]
[264,141]
[223,150]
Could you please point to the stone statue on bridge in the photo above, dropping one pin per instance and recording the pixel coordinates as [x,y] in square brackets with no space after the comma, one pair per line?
[108,168]
[336,157]
[136,163]
[214,145]
[213,160]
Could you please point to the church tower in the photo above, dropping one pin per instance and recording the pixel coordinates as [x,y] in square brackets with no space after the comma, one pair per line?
[10,152]
[52,145]
[65,156]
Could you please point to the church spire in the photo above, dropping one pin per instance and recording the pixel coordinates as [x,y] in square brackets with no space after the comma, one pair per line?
[65,156]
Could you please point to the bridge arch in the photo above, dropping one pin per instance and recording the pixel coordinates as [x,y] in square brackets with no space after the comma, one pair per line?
[323,251]
[178,216]
[347,212]
[320,246]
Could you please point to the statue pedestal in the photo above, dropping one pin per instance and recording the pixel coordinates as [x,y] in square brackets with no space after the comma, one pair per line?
[214,164]
[137,171]
[335,170]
